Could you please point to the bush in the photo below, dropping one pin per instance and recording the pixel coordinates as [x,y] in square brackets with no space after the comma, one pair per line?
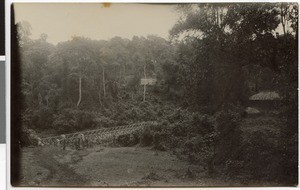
[38,119]
[191,135]
[226,141]
[229,134]
[179,130]
[201,124]
[266,160]
[102,121]
[199,149]
[127,140]
[70,120]
[258,155]
[146,137]
[158,141]
[214,142]
[64,122]
[28,137]
[85,119]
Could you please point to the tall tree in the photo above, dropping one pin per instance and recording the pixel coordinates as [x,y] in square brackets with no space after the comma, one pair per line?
[225,39]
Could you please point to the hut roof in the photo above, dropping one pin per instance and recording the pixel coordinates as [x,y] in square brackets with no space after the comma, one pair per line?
[250,110]
[266,95]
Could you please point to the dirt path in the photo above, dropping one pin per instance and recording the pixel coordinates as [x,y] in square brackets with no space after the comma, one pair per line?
[106,166]
[129,166]
[49,167]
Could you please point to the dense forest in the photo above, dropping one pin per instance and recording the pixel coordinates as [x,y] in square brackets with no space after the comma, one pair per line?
[216,57]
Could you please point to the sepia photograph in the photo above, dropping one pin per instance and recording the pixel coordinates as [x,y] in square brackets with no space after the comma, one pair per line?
[154,94]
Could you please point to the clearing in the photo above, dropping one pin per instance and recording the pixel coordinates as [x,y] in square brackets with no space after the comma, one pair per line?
[107,166]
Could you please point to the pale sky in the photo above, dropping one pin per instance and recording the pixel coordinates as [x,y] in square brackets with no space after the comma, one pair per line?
[61,21]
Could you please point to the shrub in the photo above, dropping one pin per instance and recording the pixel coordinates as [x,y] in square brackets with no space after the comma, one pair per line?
[258,155]
[191,135]
[266,160]
[146,137]
[128,139]
[28,137]
[64,122]
[102,121]
[198,149]
[70,120]
[201,124]
[38,119]
[85,119]
[158,141]
[227,139]
[179,130]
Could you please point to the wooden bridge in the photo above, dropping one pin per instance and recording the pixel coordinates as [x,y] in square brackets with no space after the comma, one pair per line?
[95,136]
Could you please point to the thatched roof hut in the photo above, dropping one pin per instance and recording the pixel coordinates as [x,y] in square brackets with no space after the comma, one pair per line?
[265,100]
[265,95]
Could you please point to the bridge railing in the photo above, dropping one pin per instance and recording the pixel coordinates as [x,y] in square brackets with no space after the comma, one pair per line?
[96,132]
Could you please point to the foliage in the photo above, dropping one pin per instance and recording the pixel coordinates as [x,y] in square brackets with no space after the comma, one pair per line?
[28,137]
[73,120]
[146,137]
[192,134]
[228,139]
[219,54]
[264,159]
[80,82]
[127,140]
[241,35]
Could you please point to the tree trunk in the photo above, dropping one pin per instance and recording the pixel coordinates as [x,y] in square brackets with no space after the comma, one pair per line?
[79,99]
[218,21]
[144,99]
[282,18]
[103,81]
[99,92]
[99,96]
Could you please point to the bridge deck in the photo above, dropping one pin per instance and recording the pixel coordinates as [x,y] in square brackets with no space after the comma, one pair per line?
[97,134]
